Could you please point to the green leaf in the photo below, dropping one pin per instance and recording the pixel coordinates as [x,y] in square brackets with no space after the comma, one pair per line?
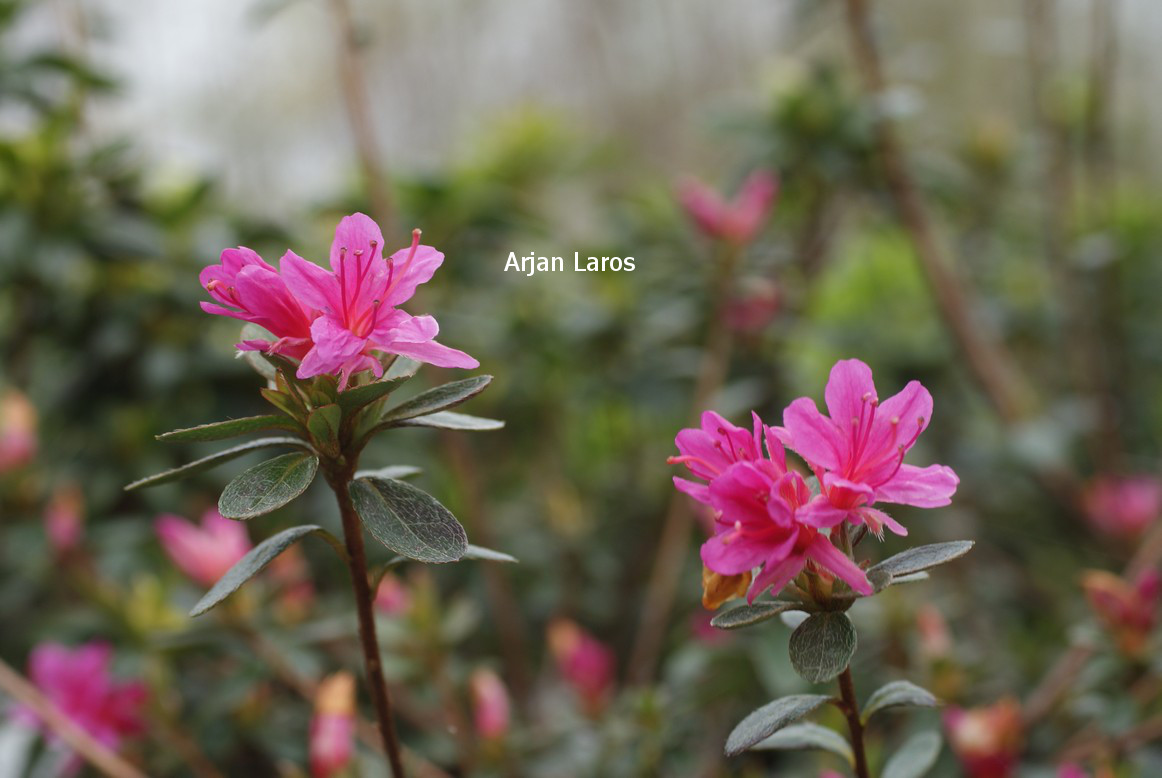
[914,560]
[486,555]
[807,735]
[408,521]
[323,424]
[220,430]
[259,557]
[769,719]
[395,472]
[284,401]
[898,694]
[438,399]
[822,646]
[205,463]
[360,396]
[450,420]
[402,369]
[268,486]
[745,615]
[915,758]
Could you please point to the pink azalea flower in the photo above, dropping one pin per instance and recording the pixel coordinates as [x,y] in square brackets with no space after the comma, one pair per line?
[765,515]
[250,289]
[858,453]
[203,553]
[331,742]
[737,221]
[64,518]
[490,705]
[358,300]
[1128,609]
[79,683]
[754,308]
[1123,507]
[392,597]
[18,438]
[587,664]
[986,740]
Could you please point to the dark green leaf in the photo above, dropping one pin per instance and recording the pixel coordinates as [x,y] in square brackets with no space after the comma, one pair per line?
[220,430]
[323,424]
[438,399]
[259,557]
[205,463]
[745,615]
[915,560]
[915,758]
[391,471]
[268,486]
[359,396]
[486,554]
[807,735]
[408,521]
[822,646]
[769,719]
[450,420]
[898,694]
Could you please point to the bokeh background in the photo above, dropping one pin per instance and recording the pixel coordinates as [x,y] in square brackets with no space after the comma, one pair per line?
[138,139]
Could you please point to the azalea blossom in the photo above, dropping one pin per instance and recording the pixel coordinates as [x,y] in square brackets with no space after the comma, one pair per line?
[490,704]
[1128,609]
[736,221]
[987,740]
[203,553]
[858,452]
[64,518]
[331,741]
[765,515]
[587,664]
[1123,507]
[392,597]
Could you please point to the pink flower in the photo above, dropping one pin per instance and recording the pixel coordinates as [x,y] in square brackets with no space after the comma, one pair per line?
[203,553]
[1128,609]
[1123,507]
[587,664]
[392,597]
[753,309]
[332,736]
[858,453]
[765,515]
[18,439]
[737,221]
[79,683]
[251,290]
[358,303]
[986,740]
[490,705]
[64,518]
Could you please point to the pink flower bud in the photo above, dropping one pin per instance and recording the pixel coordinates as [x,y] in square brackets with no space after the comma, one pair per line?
[1129,610]
[585,663]
[332,736]
[1123,507]
[737,221]
[64,518]
[18,440]
[203,553]
[987,740]
[490,705]
[392,597]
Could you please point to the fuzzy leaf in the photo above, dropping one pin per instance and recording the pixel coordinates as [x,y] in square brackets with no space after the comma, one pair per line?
[450,420]
[807,735]
[205,463]
[402,369]
[745,615]
[487,555]
[898,694]
[360,396]
[268,486]
[255,560]
[438,399]
[915,758]
[408,521]
[914,560]
[391,471]
[769,719]
[323,424]
[220,430]
[822,646]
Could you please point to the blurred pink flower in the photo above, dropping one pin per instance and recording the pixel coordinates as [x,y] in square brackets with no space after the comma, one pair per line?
[392,597]
[587,664]
[64,518]
[987,740]
[358,302]
[290,572]
[858,453]
[250,289]
[754,308]
[79,683]
[1128,609]
[935,639]
[18,438]
[1071,771]
[765,514]
[1123,507]
[203,553]
[737,221]
[490,705]
[332,736]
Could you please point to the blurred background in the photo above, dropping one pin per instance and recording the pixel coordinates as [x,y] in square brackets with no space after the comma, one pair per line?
[968,196]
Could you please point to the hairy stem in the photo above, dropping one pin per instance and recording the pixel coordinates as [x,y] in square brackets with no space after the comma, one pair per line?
[353,535]
[851,712]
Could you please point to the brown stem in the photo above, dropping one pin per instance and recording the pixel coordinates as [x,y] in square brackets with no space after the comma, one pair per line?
[851,712]
[73,736]
[353,535]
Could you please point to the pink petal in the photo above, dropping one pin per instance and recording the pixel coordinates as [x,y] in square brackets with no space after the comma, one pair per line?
[699,492]
[835,561]
[432,353]
[731,558]
[265,295]
[775,575]
[334,346]
[876,520]
[821,514]
[899,419]
[743,492]
[814,436]
[407,275]
[850,383]
[847,494]
[357,232]
[311,284]
[924,487]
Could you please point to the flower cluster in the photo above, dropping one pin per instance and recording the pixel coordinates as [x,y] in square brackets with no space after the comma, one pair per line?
[339,320]
[766,515]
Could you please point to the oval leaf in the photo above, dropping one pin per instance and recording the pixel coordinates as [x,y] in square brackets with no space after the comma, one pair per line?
[487,555]
[251,565]
[898,694]
[205,463]
[323,424]
[769,719]
[921,558]
[268,486]
[220,430]
[438,399]
[807,735]
[408,520]
[745,615]
[822,646]
[401,369]
[915,758]
[391,471]
[358,397]
[450,420]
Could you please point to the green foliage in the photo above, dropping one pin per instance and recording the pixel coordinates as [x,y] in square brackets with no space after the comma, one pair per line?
[408,521]
[439,399]
[221,430]
[916,560]
[915,758]
[213,460]
[268,486]
[898,694]
[822,646]
[755,613]
[769,719]
[807,736]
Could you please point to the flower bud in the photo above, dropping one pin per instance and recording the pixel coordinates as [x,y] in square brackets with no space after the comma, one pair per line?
[1122,507]
[1128,610]
[718,588]
[203,553]
[490,705]
[737,221]
[392,597]
[64,518]
[18,438]
[585,663]
[987,740]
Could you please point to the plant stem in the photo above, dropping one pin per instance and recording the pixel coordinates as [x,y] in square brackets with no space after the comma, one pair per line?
[851,711]
[353,535]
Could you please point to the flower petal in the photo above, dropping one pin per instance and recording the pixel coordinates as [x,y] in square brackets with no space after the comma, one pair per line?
[357,232]
[699,492]
[407,275]
[924,487]
[835,561]
[849,384]
[432,353]
[725,557]
[775,575]
[813,435]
